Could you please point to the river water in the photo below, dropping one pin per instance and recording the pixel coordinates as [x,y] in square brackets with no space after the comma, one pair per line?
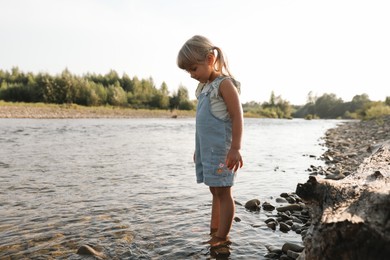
[127,186]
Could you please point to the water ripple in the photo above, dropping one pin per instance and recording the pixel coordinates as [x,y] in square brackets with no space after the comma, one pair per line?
[127,187]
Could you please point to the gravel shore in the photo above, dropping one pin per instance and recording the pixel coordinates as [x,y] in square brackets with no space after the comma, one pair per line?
[350,143]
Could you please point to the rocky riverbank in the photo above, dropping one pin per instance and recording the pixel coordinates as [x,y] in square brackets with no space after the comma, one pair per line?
[348,145]
[349,207]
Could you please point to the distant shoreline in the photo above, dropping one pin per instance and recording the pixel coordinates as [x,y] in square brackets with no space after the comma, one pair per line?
[54,111]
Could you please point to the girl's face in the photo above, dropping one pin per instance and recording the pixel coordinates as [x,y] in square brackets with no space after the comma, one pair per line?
[202,72]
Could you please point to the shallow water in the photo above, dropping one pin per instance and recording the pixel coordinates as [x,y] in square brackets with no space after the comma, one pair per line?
[127,186]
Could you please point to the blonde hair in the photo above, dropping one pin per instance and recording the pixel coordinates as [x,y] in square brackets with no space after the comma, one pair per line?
[195,51]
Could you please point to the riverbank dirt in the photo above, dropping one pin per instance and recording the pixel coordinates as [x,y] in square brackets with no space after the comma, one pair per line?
[48,111]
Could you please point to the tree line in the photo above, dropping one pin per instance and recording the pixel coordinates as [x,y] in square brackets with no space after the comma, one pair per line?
[90,90]
[327,106]
[112,89]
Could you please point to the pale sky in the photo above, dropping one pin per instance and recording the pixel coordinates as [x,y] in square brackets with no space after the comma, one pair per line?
[289,47]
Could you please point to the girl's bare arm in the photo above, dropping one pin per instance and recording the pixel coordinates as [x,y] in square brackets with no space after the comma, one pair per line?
[230,95]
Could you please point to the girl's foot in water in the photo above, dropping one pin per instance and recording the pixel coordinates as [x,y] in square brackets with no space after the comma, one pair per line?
[213,231]
[218,241]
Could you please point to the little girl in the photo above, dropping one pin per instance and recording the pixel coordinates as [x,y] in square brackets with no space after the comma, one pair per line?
[219,126]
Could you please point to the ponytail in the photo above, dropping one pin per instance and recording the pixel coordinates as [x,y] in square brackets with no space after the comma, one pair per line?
[221,63]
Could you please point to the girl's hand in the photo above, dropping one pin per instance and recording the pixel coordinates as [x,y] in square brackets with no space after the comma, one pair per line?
[193,157]
[234,160]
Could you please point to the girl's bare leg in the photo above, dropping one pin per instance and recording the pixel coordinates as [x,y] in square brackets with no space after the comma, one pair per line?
[222,214]
[215,209]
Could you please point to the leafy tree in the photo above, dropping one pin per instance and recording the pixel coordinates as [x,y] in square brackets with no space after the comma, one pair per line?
[101,93]
[111,78]
[271,103]
[309,109]
[127,83]
[252,109]
[14,92]
[310,98]
[276,107]
[17,76]
[376,110]
[183,99]
[180,99]
[116,96]
[161,98]
[174,101]
[358,102]
[2,76]
[327,106]
[387,101]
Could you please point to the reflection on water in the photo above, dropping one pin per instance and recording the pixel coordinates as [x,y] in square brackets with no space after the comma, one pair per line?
[127,186]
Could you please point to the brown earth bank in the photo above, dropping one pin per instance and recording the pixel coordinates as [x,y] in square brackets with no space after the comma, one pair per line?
[48,111]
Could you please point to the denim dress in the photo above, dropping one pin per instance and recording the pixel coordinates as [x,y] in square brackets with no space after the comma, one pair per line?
[213,139]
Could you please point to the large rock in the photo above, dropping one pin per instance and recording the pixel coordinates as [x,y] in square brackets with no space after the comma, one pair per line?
[253,205]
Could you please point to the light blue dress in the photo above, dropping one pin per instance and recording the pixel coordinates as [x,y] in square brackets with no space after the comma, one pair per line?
[213,139]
